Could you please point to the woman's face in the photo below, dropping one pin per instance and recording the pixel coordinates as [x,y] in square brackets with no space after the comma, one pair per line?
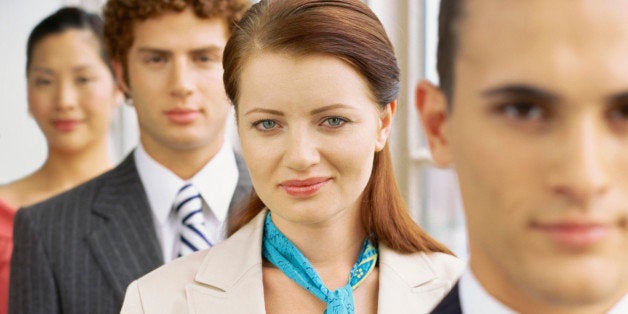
[309,129]
[71,92]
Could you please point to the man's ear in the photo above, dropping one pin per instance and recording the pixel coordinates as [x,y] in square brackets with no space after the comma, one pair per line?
[432,107]
[385,125]
[119,72]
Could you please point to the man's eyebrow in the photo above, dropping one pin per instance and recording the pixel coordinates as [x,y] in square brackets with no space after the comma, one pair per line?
[211,49]
[521,90]
[618,98]
[153,50]
[205,49]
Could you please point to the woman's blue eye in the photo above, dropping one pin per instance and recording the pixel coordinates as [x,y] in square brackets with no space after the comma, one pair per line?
[268,124]
[265,125]
[335,121]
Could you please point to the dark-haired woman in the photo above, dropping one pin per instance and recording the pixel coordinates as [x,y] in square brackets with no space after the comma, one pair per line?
[72,96]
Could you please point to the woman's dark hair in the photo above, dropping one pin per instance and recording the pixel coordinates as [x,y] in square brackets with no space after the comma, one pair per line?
[64,19]
[349,31]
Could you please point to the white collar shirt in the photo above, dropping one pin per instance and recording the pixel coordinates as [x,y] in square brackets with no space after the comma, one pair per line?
[216,183]
[474,299]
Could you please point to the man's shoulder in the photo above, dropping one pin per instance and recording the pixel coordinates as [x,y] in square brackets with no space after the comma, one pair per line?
[450,304]
[78,198]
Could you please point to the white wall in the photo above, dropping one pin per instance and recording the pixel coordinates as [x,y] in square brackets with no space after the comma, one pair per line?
[22,146]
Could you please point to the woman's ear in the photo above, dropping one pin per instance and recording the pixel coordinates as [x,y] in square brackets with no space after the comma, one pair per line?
[385,125]
[433,112]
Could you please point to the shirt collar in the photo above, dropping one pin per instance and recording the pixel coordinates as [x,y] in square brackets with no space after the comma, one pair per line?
[621,307]
[474,299]
[216,182]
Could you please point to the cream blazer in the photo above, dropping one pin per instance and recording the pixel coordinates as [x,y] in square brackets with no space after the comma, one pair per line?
[228,279]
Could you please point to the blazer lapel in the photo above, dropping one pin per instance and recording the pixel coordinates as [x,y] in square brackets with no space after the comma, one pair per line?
[230,277]
[123,241]
[407,283]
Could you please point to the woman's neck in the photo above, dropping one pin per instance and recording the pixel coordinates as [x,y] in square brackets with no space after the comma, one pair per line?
[62,171]
[66,170]
[332,247]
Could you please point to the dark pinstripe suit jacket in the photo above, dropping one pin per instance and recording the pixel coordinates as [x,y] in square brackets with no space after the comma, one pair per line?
[78,251]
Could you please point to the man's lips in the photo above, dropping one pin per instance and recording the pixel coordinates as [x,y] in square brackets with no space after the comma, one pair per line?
[182,116]
[575,234]
[304,188]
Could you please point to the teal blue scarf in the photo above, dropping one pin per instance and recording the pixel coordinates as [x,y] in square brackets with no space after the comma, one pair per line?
[277,249]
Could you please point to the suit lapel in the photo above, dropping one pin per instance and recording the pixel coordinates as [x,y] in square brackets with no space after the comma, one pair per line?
[124,241]
[230,277]
[407,283]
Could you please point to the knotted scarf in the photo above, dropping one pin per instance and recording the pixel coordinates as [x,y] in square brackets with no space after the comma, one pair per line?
[284,255]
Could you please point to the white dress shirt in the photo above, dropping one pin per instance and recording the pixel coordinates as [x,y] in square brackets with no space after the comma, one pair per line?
[216,182]
[474,299]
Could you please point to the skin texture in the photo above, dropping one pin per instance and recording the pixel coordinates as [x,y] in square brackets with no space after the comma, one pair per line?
[538,135]
[175,81]
[311,117]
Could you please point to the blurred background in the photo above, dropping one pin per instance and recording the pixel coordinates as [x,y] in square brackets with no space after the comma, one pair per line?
[432,194]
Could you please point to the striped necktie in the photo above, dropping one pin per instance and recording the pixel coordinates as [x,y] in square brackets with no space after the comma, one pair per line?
[189,208]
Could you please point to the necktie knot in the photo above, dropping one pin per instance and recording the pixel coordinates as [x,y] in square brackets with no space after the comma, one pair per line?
[187,203]
[188,206]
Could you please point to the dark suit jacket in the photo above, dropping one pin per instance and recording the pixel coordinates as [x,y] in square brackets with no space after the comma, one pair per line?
[450,303]
[78,251]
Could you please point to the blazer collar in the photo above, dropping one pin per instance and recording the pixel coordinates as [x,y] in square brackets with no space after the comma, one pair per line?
[407,282]
[231,285]
[246,243]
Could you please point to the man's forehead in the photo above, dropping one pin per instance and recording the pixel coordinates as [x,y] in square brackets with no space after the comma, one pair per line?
[543,40]
[180,31]
[504,21]
[579,54]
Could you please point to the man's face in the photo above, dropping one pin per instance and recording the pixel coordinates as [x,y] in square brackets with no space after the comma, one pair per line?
[175,81]
[538,135]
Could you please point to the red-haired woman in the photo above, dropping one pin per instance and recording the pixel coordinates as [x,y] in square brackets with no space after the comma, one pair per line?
[314,84]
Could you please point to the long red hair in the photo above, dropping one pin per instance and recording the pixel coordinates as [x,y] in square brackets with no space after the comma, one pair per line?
[350,31]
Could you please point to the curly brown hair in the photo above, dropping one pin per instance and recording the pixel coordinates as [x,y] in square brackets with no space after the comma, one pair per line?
[121,15]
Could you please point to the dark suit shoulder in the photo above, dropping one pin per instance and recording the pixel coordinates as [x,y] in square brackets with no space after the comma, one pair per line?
[450,303]
[79,199]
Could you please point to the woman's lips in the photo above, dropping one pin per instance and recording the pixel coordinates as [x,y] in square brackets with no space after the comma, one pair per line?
[66,125]
[304,188]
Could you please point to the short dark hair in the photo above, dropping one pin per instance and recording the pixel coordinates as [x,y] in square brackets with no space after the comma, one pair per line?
[448,43]
[64,19]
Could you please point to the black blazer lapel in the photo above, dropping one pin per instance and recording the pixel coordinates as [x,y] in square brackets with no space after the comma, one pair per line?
[124,242]
[450,304]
